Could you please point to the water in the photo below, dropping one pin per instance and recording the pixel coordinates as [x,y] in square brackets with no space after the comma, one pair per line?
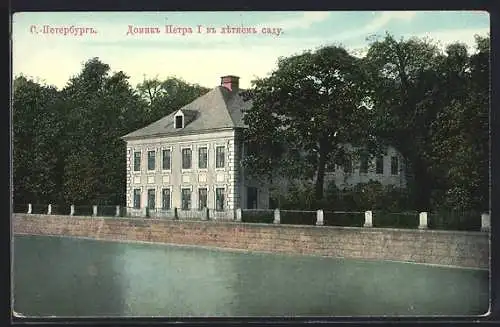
[75,277]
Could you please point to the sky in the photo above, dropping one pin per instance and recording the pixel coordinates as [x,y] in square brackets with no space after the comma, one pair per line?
[42,51]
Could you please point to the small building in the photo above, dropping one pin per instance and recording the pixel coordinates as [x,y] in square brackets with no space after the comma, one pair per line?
[191,160]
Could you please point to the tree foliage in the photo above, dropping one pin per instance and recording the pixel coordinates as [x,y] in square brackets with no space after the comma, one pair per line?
[164,97]
[67,145]
[305,112]
[431,105]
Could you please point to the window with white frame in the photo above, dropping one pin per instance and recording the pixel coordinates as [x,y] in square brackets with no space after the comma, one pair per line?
[186,158]
[165,199]
[151,159]
[137,161]
[394,165]
[179,121]
[219,198]
[166,159]
[137,198]
[202,198]
[186,199]
[151,198]
[202,157]
[220,157]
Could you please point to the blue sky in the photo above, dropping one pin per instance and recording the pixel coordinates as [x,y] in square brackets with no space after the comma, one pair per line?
[202,58]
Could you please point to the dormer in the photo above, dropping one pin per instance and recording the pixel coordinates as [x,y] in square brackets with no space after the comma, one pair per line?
[179,121]
[183,117]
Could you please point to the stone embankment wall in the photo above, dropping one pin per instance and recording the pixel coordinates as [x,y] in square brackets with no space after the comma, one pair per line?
[453,248]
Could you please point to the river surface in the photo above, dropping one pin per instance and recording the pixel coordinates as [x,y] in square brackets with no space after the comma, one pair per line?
[56,276]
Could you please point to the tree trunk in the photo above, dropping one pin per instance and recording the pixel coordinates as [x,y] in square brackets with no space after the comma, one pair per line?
[320,175]
[421,185]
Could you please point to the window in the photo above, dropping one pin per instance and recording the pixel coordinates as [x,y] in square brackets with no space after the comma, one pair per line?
[186,199]
[348,166]
[219,199]
[137,161]
[166,159]
[330,167]
[179,121]
[165,199]
[202,198]
[151,160]
[186,158]
[380,165]
[363,168]
[219,157]
[394,165]
[137,198]
[252,197]
[151,198]
[202,158]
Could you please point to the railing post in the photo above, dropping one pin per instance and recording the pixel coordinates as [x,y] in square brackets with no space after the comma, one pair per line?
[238,214]
[176,215]
[485,222]
[72,210]
[94,211]
[49,209]
[368,219]
[422,220]
[319,217]
[30,208]
[117,213]
[277,218]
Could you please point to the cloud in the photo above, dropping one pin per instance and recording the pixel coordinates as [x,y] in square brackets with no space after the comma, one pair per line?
[305,21]
[387,16]
[196,58]
[446,37]
[377,23]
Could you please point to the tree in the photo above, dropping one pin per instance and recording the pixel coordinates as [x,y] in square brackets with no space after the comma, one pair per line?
[101,107]
[403,83]
[460,138]
[37,131]
[67,144]
[304,113]
[436,116]
[164,97]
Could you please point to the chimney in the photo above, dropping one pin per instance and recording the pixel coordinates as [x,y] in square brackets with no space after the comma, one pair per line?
[230,82]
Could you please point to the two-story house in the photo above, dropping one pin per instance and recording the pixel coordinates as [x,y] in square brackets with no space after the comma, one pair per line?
[387,169]
[190,159]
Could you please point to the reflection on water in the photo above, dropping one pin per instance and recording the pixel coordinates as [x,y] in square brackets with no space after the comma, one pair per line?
[71,277]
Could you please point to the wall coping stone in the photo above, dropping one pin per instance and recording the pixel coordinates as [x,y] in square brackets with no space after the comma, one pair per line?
[372,230]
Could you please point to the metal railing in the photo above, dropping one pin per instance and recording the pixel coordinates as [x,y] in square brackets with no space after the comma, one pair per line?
[455,220]
[383,219]
[298,217]
[344,218]
[83,211]
[263,216]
